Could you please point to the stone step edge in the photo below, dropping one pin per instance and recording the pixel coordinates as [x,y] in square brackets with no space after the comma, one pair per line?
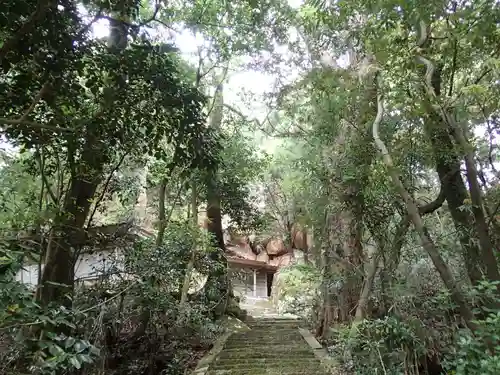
[329,363]
[204,364]
[258,372]
[309,363]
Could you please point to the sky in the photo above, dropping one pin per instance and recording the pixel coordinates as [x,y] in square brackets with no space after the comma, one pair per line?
[254,82]
[250,81]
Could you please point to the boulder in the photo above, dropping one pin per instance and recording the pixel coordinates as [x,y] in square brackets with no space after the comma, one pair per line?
[276,247]
[263,256]
[244,252]
[299,238]
[282,260]
[238,240]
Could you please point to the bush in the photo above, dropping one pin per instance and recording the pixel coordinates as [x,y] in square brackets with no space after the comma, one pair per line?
[100,329]
[33,335]
[295,289]
[390,345]
[479,354]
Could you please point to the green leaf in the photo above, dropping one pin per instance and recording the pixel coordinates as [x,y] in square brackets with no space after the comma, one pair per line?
[55,350]
[85,358]
[79,346]
[70,341]
[75,362]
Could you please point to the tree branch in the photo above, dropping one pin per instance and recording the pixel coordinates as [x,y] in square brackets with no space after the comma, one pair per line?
[45,88]
[434,205]
[425,239]
[105,188]
[32,124]
[41,166]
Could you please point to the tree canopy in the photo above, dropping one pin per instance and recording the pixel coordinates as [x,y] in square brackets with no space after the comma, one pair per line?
[373,154]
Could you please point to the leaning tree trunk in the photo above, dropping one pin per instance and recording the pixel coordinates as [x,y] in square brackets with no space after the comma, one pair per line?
[439,125]
[57,279]
[416,218]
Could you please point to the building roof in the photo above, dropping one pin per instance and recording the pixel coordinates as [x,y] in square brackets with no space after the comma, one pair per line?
[248,263]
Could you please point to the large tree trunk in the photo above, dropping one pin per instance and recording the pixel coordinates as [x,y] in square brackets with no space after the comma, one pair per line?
[57,279]
[217,287]
[448,169]
[476,244]
[415,216]
[359,153]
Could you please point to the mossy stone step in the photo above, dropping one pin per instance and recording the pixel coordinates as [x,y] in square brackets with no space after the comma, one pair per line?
[273,321]
[236,353]
[264,362]
[294,323]
[270,329]
[290,347]
[260,341]
[273,329]
[267,334]
[264,372]
[269,359]
[271,347]
[274,369]
[259,344]
[305,367]
[268,337]
[262,333]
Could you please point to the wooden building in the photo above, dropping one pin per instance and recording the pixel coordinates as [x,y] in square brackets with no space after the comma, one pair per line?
[251,279]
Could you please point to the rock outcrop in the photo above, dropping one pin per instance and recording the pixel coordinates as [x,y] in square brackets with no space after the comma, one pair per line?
[272,250]
[276,247]
[244,252]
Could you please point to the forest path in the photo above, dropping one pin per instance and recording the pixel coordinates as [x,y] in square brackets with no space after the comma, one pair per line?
[270,344]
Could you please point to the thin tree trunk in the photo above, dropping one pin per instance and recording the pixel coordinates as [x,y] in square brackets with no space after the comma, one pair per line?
[427,243]
[161,213]
[361,312]
[477,245]
[190,266]
[218,280]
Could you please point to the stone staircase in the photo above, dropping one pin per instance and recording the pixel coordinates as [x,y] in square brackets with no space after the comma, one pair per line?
[272,346]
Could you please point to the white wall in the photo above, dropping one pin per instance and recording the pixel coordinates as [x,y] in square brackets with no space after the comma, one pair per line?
[242,282]
[28,275]
[88,266]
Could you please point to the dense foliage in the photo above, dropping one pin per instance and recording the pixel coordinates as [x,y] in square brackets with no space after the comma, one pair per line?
[379,141]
